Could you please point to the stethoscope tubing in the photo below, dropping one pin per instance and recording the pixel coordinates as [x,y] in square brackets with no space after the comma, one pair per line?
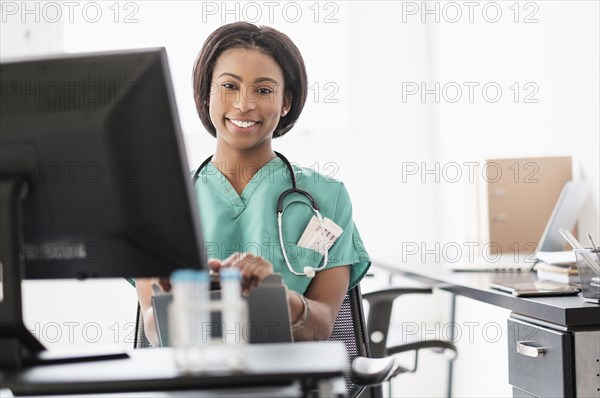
[308,271]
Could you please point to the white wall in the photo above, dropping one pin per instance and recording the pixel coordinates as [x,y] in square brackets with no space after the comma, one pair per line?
[26,33]
[558,56]
[372,137]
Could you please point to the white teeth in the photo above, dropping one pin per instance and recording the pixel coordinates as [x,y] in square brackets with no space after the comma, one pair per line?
[242,124]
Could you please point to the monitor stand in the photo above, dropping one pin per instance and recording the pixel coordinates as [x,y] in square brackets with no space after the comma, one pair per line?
[20,348]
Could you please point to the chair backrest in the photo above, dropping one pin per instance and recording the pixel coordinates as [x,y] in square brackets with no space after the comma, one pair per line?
[140,339]
[350,328]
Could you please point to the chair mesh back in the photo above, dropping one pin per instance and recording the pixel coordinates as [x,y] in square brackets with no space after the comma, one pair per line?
[140,334]
[349,327]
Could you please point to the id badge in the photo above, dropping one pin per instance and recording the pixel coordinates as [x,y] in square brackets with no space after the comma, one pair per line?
[312,237]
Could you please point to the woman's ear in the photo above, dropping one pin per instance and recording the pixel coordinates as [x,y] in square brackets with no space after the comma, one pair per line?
[287,105]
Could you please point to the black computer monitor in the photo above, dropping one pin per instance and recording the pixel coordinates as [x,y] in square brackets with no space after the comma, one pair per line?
[94,177]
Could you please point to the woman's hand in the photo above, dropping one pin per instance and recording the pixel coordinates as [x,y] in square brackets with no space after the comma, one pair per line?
[163,283]
[253,269]
[324,295]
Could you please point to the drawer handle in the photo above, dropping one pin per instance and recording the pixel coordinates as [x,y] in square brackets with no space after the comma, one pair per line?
[529,351]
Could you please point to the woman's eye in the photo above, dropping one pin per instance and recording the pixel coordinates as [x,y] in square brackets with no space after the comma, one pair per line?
[265,90]
[229,86]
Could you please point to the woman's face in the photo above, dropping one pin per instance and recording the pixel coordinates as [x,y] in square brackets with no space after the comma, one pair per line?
[246,98]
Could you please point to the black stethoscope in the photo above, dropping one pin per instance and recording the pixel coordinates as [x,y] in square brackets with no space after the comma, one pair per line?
[307,271]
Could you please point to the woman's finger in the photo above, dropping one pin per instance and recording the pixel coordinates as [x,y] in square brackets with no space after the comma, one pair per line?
[214,264]
[233,259]
[165,284]
[253,268]
[260,271]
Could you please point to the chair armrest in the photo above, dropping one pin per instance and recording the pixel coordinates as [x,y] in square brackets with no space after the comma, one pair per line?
[380,311]
[392,293]
[372,371]
[439,346]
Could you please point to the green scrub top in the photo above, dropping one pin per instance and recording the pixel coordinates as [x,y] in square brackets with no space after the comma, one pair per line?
[248,222]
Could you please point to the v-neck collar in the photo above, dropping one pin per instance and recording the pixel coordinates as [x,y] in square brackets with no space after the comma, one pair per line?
[238,202]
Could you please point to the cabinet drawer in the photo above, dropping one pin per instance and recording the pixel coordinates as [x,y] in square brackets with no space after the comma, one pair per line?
[540,360]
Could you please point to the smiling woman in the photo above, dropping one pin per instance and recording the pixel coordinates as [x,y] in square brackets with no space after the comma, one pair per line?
[250,87]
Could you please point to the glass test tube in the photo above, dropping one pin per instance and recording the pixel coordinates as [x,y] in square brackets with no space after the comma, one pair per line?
[232,303]
[190,317]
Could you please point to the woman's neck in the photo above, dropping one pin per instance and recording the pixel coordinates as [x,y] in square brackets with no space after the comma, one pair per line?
[239,166]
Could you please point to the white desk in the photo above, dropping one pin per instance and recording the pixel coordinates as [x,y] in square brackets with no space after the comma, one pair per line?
[312,365]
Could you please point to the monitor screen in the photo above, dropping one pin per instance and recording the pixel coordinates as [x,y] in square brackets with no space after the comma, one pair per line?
[97,139]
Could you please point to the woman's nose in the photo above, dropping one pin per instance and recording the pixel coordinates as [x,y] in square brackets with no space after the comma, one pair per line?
[244,100]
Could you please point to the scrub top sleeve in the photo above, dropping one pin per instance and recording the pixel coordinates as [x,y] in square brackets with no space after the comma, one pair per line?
[349,248]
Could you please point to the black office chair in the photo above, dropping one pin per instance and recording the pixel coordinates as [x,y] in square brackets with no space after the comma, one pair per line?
[371,362]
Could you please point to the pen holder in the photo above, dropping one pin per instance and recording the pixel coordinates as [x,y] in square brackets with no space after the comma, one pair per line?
[588,266]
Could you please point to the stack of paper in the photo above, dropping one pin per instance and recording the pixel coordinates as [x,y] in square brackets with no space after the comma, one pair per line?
[565,273]
[556,258]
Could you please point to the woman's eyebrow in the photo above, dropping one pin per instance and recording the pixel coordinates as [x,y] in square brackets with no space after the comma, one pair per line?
[266,79]
[258,80]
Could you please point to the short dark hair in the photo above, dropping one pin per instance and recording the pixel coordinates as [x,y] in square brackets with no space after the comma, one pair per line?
[265,39]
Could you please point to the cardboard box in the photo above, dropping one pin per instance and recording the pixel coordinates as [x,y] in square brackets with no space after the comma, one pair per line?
[521,194]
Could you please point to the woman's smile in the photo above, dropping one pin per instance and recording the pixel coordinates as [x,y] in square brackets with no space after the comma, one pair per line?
[243,125]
